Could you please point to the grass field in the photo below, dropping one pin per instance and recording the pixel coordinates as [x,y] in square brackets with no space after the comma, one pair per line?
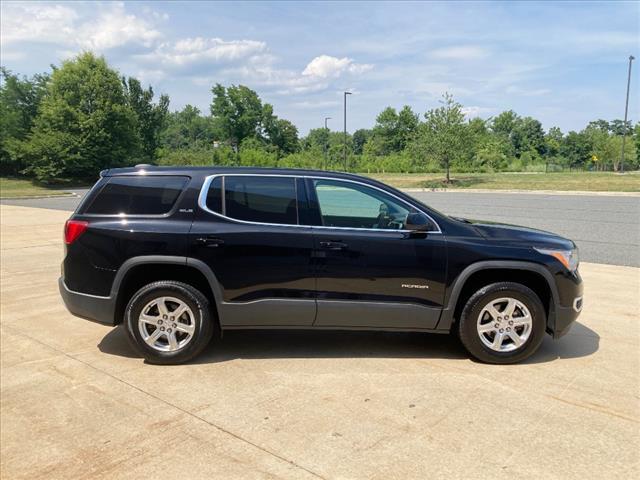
[574,181]
[17,187]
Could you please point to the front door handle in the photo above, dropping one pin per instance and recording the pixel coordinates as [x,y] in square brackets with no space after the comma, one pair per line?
[333,245]
[211,242]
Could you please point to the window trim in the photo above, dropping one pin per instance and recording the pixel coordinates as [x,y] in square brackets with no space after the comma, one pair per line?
[136,215]
[204,190]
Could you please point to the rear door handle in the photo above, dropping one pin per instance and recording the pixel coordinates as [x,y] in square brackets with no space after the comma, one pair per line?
[333,245]
[211,242]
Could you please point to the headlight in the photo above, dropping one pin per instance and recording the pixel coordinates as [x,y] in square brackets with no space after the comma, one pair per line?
[569,258]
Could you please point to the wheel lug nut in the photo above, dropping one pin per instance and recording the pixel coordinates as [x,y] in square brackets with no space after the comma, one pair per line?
[164,317]
[499,318]
[168,330]
[497,325]
[162,329]
[171,318]
[508,329]
[511,322]
[174,325]
[159,322]
[501,330]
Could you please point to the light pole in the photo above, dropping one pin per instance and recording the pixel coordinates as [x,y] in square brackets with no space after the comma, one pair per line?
[345,130]
[326,143]
[626,111]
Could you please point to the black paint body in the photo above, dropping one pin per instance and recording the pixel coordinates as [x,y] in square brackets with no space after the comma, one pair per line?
[286,276]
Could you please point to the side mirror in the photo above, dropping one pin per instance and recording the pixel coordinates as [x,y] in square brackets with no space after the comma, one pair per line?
[418,223]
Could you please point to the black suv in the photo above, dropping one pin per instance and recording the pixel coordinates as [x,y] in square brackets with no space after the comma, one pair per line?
[178,253]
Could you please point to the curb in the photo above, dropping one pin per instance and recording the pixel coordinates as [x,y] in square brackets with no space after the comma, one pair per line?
[36,197]
[528,192]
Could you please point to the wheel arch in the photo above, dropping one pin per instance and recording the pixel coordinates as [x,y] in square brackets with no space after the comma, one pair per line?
[139,271]
[532,275]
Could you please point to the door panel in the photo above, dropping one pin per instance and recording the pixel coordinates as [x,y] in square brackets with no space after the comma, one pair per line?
[256,264]
[379,279]
[264,269]
[371,271]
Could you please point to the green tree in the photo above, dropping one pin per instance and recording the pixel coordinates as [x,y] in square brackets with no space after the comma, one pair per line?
[615,149]
[85,123]
[150,117]
[600,124]
[445,132]
[187,128]
[505,123]
[617,127]
[237,113]
[636,141]
[280,133]
[20,99]
[553,141]
[393,130]
[530,136]
[360,138]
[576,148]
[316,139]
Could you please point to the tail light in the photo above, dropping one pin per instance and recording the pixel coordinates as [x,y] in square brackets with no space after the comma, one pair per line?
[73,229]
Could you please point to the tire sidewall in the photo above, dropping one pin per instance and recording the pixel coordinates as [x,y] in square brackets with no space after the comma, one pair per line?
[469,318]
[196,302]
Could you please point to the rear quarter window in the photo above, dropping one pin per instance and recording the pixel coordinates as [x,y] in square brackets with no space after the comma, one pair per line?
[140,195]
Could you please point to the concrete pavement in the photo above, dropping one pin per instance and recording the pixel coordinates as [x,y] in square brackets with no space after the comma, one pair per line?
[76,402]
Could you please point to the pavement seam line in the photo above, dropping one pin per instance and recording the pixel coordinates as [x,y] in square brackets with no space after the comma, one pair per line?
[186,412]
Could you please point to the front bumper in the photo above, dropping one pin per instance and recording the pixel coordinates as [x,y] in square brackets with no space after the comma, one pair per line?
[90,307]
[564,318]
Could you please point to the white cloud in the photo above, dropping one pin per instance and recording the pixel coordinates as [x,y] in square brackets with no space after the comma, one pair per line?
[326,66]
[474,111]
[460,52]
[113,28]
[194,50]
[37,21]
[261,70]
[110,27]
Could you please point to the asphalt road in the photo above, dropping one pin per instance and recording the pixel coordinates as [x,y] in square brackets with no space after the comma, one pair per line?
[605,228]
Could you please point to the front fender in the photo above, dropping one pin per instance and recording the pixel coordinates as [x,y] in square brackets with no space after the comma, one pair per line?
[453,293]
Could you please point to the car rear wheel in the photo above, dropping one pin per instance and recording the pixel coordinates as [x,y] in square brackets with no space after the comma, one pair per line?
[502,323]
[168,322]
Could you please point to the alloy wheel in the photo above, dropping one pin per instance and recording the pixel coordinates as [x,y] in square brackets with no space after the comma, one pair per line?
[166,324]
[504,324]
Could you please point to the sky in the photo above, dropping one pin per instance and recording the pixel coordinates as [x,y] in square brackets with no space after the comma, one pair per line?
[562,63]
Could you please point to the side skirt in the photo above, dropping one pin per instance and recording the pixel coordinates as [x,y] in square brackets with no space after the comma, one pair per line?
[337,329]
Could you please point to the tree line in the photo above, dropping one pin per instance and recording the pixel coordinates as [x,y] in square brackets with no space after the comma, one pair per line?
[84,116]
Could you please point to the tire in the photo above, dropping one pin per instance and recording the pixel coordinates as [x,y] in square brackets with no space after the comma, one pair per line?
[183,335]
[491,335]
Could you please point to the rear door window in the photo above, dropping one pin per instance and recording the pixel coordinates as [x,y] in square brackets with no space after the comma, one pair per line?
[261,199]
[140,195]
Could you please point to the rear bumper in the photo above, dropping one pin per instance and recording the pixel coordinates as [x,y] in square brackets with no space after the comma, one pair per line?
[89,307]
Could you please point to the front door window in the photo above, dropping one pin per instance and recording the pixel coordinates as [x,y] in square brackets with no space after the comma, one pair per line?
[352,205]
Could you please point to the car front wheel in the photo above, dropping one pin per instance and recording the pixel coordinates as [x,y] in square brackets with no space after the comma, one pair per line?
[502,323]
[168,322]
